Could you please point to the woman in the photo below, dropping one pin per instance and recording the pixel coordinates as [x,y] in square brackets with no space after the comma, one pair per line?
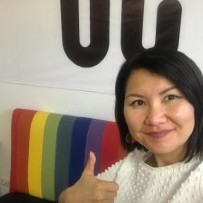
[159,111]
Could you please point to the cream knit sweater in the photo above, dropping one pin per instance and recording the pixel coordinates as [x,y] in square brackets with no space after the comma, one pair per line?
[141,183]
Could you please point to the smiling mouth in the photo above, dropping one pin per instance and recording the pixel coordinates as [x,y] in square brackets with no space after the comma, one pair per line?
[159,134]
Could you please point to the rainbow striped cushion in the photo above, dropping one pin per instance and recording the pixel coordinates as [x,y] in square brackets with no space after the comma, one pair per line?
[49,150]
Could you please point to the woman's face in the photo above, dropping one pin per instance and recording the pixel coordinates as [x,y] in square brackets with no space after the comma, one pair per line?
[158,115]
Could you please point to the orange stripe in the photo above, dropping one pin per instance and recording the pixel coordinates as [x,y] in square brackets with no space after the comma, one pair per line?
[20,143]
[23,143]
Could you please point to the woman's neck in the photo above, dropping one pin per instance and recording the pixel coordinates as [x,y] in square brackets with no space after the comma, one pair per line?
[164,160]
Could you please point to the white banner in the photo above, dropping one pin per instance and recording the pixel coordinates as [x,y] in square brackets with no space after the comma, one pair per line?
[78,44]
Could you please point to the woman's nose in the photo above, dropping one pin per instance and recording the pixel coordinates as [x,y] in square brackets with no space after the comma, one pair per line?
[155,115]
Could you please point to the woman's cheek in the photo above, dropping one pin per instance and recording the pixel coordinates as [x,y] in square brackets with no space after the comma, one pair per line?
[181,113]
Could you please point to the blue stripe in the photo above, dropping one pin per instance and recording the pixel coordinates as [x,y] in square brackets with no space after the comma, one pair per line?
[78,148]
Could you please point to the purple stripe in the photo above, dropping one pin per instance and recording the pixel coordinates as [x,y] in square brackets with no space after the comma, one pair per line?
[94,143]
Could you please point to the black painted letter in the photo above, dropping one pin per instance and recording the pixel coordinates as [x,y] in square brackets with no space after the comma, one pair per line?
[99,32]
[167,31]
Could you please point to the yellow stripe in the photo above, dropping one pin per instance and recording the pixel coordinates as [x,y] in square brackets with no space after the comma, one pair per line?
[35,153]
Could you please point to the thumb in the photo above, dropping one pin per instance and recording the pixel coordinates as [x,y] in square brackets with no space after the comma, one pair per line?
[89,169]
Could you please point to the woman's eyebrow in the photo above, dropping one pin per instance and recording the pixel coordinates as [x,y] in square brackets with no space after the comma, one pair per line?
[161,92]
[134,95]
[167,89]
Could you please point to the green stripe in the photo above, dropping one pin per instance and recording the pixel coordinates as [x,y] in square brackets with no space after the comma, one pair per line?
[48,156]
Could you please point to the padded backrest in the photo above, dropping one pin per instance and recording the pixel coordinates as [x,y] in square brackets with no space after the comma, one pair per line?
[49,150]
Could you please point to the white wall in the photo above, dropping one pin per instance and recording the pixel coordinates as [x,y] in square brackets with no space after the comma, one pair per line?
[71,102]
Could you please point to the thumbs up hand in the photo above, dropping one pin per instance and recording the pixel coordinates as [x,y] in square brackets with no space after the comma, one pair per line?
[90,189]
[89,169]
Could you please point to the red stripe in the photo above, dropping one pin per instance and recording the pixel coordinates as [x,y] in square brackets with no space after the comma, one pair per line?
[121,152]
[20,136]
[15,116]
[110,146]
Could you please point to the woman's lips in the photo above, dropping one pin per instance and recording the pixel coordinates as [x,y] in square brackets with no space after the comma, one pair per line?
[159,134]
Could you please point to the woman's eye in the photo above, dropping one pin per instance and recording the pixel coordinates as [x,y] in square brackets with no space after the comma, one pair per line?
[138,103]
[171,97]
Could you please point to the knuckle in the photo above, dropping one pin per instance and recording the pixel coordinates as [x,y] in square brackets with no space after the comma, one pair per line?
[99,185]
[99,196]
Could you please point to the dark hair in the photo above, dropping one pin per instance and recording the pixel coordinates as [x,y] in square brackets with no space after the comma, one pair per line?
[179,69]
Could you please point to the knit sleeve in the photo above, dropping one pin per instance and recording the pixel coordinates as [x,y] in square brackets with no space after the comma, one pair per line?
[110,173]
[201,181]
